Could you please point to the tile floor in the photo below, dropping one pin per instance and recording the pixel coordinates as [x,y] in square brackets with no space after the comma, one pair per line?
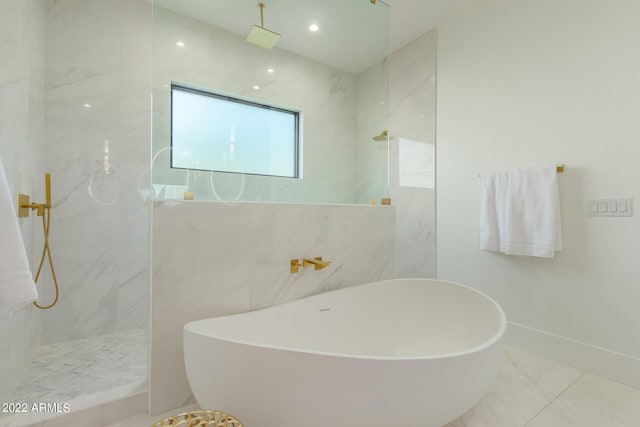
[64,371]
[83,372]
[532,391]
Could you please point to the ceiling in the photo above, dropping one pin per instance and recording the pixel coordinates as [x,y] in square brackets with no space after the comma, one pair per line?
[353,35]
[409,19]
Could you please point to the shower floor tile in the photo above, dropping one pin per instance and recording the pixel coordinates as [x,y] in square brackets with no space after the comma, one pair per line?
[65,371]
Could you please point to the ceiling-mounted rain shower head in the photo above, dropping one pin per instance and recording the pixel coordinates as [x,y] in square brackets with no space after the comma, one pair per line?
[382,137]
[260,36]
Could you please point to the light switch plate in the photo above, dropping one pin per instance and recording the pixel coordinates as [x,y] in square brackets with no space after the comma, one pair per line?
[610,207]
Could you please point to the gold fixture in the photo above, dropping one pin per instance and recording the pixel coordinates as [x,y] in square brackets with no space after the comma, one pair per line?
[260,36]
[188,195]
[386,201]
[382,137]
[295,266]
[44,210]
[23,206]
[559,168]
[373,1]
[24,211]
[201,418]
[317,262]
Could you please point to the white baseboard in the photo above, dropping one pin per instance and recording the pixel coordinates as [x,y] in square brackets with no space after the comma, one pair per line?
[615,366]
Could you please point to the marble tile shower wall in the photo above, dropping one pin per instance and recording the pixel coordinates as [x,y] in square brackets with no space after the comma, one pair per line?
[98,88]
[372,88]
[212,259]
[412,115]
[341,111]
[21,149]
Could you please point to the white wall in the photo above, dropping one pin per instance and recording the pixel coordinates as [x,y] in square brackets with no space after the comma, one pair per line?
[21,151]
[212,259]
[539,83]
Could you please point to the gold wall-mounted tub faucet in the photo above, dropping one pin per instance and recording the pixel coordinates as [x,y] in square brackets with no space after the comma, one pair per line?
[317,262]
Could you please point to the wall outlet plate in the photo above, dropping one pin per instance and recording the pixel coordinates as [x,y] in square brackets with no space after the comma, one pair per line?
[610,207]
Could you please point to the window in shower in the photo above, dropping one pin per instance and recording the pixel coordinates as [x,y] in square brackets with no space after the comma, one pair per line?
[215,132]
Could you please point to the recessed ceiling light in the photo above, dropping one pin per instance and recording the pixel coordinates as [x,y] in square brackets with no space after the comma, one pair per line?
[256,87]
[314,27]
[87,105]
[270,70]
[180,44]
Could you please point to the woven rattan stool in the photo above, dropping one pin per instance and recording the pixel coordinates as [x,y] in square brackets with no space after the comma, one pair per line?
[200,419]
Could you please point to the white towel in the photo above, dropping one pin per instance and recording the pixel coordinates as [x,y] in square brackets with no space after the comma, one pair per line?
[494,190]
[520,213]
[17,287]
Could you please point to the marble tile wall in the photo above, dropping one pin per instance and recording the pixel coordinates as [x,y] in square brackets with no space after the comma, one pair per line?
[372,118]
[98,88]
[412,112]
[21,150]
[338,109]
[212,259]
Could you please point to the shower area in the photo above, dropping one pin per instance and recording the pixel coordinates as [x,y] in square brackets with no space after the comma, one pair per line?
[75,102]
[86,95]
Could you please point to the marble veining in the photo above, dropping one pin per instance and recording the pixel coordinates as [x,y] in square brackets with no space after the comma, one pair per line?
[534,391]
[212,259]
[592,402]
[97,88]
[412,116]
[64,371]
[334,131]
[22,52]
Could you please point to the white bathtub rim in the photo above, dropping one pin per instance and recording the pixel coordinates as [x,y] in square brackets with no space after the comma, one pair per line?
[485,345]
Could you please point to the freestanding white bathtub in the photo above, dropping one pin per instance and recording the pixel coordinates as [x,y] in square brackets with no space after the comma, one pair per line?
[401,353]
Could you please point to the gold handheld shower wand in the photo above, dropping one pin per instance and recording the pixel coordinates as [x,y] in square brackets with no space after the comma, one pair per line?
[44,210]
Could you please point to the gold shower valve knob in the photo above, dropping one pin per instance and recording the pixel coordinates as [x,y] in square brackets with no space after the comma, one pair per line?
[23,205]
[295,266]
